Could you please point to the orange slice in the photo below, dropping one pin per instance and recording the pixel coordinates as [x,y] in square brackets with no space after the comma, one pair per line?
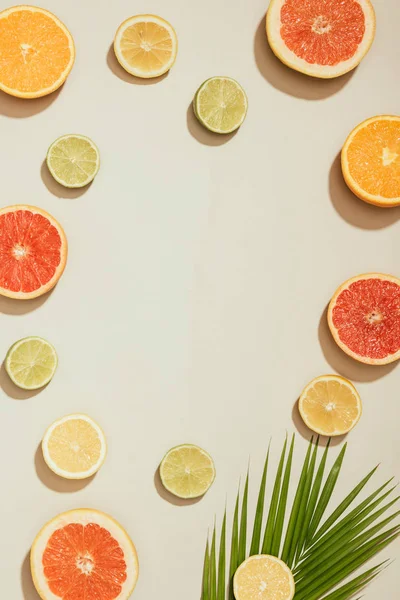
[364,318]
[84,554]
[330,405]
[36,52]
[146,46]
[371,161]
[33,251]
[321,38]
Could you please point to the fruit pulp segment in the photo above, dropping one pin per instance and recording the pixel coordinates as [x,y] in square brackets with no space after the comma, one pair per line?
[73,159]
[32,362]
[74,446]
[331,406]
[187,471]
[263,579]
[367,317]
[146,46]
[373,158]
[34,51]
[84,562]
[30,251]
[221,104]
[323,32]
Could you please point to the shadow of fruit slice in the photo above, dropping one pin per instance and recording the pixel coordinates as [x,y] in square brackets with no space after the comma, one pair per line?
[364,318]
[37,52]
[33,250]
[321,39]
[84,553]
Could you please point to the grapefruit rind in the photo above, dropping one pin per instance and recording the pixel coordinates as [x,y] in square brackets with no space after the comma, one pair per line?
[380,201]
[57,84]
[62,472]
[138,19]
[291,60]
[343,381]
[83,516]
[266,558]
[63,254]
[362,359]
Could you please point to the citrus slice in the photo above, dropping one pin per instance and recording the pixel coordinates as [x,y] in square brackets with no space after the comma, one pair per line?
[84,553]
[33,251]
[371,161]
[73,160]
[36,52]
[330,405]
[31,363]
[321,38]
[187,471]
[220,104]
[74,447]
[364,318]
[263,577]
[146,46]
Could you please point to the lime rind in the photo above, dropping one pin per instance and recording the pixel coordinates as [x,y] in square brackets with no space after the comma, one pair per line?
[33,374]
[66,171]
[214,114]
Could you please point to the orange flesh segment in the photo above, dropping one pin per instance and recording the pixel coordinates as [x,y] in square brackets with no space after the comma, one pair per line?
[146,46]
[30,251]
[367,318]
[34,51]
[84,562]
[323,32]
[373,158]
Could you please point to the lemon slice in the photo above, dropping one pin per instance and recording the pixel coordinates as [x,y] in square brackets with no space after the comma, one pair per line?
[263,577]
[187,471]
[31,363]
[146,46]
[74,447]
[330,405]
[220,104]
[73,160]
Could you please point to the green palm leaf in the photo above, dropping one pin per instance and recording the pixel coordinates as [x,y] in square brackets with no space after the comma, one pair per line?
[322,555]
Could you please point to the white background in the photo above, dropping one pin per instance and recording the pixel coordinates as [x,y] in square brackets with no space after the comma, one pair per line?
[192,306]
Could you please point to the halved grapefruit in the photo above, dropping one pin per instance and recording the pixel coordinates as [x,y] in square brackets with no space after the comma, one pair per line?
[321,38]
[37,52]
[84,554]
[364,318]
[33,251]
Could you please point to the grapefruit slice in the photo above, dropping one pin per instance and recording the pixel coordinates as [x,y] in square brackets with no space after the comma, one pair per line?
[84,554]
[364,318]
[371,161]
[321,38]
[37,52]
[33,251]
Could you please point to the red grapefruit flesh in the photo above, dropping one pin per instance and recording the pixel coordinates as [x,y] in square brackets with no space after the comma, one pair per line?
[33,252]
[84,555]
[321,38]
[364,318]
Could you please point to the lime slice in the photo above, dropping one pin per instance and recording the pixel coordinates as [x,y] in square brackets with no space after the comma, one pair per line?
[31,363]
[187,471]
[220,104]
[73,160]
